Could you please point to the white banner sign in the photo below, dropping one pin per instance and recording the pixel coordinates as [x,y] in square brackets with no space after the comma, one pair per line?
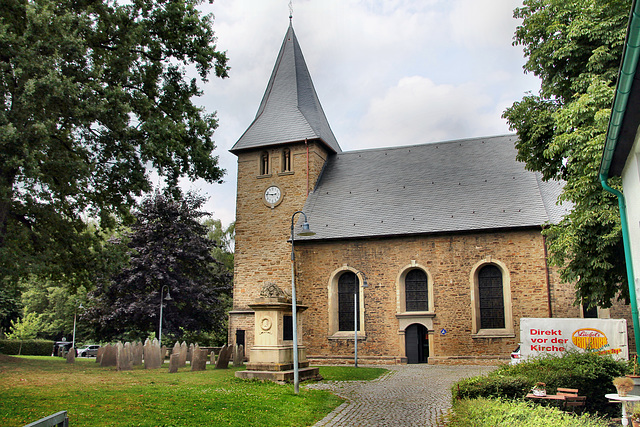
[543,336]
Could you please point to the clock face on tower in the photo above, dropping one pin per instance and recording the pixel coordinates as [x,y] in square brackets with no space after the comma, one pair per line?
[273,196]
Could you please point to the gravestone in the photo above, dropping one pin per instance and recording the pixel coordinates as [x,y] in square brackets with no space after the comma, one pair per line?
[99,355]
[238,355]
[152,354]
[124,359]
[213,359]
[109,357]
[198,359]
[190,352]
[183,354]
[71,356]
[137,351]
[176,348]
[174,361]
[163,353]
[223,358]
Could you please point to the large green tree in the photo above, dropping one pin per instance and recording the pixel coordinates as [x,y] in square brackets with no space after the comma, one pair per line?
[575,47]
[94,94]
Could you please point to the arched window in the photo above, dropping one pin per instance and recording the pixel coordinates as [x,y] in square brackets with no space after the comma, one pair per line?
[347,292]
[286,160]
[264,163]
[491,298]
[416,291]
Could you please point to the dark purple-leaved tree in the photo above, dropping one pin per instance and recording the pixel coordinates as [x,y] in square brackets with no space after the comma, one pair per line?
[167,245]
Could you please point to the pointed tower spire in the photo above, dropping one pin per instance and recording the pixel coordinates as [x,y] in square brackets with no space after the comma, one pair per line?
[290,110]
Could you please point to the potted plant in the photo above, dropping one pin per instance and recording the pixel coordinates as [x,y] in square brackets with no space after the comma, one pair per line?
[539,389]
[623,384]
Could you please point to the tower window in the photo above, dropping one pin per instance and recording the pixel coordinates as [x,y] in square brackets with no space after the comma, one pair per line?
[286,160]
[264,163]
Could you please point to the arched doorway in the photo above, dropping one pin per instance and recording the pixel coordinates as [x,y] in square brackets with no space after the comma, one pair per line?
[416,338]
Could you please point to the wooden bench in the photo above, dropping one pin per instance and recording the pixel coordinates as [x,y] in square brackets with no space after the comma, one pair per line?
[567,396]
[571,398]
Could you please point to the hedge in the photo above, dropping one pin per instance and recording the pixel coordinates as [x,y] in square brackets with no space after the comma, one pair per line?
[26,347]
[590,373]
[496,412]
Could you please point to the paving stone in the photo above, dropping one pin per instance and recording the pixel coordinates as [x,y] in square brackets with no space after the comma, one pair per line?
[409,395]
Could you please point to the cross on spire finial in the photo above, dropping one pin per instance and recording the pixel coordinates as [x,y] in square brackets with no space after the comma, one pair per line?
[290,10]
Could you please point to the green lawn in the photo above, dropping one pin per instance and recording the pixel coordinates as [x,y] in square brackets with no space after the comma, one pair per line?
[34,387]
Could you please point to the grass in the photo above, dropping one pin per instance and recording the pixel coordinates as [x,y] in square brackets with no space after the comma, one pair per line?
[495,412]
[349,373]
[34,387]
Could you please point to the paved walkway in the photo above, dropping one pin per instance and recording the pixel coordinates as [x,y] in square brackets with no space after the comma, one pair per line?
[409,395]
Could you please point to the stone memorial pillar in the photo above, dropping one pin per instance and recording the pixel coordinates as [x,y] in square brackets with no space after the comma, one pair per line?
[271,357]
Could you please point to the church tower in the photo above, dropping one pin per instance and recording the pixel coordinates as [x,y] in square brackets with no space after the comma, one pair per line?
[280,158]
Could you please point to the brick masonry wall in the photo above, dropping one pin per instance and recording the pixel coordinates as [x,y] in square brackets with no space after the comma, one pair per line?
[449,260]
[262,251]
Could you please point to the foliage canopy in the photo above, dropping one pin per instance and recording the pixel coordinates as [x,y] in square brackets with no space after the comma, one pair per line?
[94,93]
[575,47]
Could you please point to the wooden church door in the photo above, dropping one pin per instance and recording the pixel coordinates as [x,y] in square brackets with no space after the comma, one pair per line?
[416,343]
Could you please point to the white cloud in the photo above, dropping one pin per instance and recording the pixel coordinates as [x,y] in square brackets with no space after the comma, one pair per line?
[387,72]
[485,23]
[417,110]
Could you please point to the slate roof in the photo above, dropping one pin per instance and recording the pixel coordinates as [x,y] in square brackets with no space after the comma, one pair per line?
[454,186]
[290,110]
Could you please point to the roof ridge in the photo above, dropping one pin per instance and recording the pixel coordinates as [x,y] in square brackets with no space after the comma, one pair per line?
[446,142]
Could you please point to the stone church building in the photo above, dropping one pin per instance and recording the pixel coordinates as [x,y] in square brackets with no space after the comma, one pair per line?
[433,250]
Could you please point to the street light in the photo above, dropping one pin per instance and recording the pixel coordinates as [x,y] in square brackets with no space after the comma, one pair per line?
[167,298]
[75,315]
[305,232]
[355,314]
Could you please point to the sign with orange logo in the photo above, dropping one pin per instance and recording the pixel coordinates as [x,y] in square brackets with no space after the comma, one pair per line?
[589,339]
[549,336]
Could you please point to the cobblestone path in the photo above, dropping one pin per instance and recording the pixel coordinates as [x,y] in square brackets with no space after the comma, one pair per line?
[409,395]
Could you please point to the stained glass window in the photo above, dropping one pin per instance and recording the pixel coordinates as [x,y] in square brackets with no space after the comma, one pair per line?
[491,298]
[347,291]
[416,291]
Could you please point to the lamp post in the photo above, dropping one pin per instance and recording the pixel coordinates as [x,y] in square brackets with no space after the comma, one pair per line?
[294,308]
[75,316]
[167,298]
[355,315]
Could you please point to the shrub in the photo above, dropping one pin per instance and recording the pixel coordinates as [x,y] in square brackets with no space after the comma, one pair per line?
[510,387]
[26,347]
[590,373]
[496,412]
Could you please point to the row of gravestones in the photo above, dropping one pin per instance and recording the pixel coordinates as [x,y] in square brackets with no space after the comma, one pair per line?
[199,357]
[125,356]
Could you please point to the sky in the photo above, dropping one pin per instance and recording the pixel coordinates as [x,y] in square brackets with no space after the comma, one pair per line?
[387,72]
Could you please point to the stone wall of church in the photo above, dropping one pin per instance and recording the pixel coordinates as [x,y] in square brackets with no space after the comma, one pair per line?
[449,260]
[262,251]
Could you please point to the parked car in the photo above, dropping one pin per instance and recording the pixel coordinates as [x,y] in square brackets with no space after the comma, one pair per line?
[88,351]
[515,357]
[61,348]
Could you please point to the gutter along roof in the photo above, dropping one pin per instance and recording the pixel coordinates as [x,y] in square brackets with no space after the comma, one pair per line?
[625,111]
